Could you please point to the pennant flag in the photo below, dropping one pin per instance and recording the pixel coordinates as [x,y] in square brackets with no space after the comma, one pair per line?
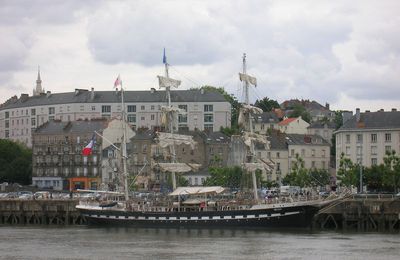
[164,59]
[118,82]
[88,148]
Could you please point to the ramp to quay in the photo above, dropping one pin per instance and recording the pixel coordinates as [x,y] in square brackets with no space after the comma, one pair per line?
[40,212]
[361,212]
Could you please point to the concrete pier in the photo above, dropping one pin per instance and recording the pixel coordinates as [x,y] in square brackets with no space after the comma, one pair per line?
[40,212]
[361,213]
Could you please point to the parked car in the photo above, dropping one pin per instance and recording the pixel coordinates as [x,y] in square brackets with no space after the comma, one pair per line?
[42,195]
[26,195]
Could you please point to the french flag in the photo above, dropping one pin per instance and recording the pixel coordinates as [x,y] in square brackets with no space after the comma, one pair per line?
[88,148]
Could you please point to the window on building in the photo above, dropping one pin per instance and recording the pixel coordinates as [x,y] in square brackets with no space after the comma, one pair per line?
[323,165]
[374,161]
[312,164]
[142,118]
[347,150]
[144,148]
[278,166]
[7,133]
[7,114]
[152,117]
[388,137]
[7,123]
[131,108]
[152,107]
[278,155]
[208,118]
[347,139]
[106,109]
[303,153]
[374,150]
[208,108]
[374,138]
[33,121]
[323,153]
[359,138]
[93,108]
[132,118]
[292,152]
[388,149]
[209,127]
[33,112]
[359,150]
[312,152]
[142,107]
[52,110]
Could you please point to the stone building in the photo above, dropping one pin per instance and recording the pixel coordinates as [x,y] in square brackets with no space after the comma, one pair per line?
[57,160]
[366,137]
[19,117]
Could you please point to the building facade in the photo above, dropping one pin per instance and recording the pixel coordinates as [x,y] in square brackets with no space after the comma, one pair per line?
[57,160]
[366,137]
[293,125]
[19,117]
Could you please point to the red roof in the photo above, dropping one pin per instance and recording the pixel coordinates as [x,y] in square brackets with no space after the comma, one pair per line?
[287,121]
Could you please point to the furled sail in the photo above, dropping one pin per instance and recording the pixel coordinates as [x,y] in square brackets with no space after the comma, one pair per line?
[259,165]
[164,82]
[167,139]
[245,113]
[179,167]
[247,78]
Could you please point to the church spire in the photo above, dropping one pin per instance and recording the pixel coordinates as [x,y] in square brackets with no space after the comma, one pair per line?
[38,88]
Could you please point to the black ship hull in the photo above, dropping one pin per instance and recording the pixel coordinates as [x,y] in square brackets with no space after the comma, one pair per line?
[276,217]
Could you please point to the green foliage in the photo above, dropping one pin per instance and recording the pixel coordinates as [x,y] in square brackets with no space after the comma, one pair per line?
[300,176]
[391,167]
[15,162]
[266,104]
[338,119]
[347,173]
[226,176]
[229,131]
[300,110]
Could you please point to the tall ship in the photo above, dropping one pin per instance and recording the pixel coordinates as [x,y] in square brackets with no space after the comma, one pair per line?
[200,206]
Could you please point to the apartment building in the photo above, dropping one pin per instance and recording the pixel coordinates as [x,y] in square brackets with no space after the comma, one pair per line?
[19,117]
[57,160]
[366,137]
[293,125]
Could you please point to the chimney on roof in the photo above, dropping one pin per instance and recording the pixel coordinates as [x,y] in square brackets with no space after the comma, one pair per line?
[394,109]
[48,93]
[152,90]
[92,94]
[24,97]
[357,115]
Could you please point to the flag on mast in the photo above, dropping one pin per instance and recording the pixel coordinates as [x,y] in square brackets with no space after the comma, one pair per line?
[118,82]
[164,60]
[88,148]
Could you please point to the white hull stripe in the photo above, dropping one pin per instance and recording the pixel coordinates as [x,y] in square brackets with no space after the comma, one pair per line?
[202,218]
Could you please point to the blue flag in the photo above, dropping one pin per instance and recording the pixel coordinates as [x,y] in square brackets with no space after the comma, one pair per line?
[164,59]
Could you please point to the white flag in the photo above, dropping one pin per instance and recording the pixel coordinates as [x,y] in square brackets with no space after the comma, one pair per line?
[168,82]
[248,79]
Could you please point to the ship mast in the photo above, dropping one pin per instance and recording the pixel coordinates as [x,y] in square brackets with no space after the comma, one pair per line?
[123,145]
[171,123]
[252,151]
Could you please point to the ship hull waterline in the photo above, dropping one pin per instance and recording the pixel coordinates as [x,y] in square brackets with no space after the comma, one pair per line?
[291,217]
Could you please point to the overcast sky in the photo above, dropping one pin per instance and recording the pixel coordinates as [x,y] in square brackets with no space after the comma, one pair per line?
[346,53]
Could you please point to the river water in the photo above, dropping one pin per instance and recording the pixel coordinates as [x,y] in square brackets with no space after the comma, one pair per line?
[146,243]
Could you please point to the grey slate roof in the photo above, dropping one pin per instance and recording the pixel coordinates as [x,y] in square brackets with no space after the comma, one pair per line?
[84,96]
[373,120]
[277,140]
[76,127]
[268,117]
[301,139]
[321,125]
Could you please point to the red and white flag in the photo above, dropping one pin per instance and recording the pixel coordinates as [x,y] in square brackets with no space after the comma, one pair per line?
[118,82]
[88,148]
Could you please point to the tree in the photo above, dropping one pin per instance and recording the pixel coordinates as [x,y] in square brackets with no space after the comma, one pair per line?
[391,174]
[15,162]
[319,177]
[266,104]
[347,171]
[225,176]
[373,177]
[300,110]
[298,175]
[338,119]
